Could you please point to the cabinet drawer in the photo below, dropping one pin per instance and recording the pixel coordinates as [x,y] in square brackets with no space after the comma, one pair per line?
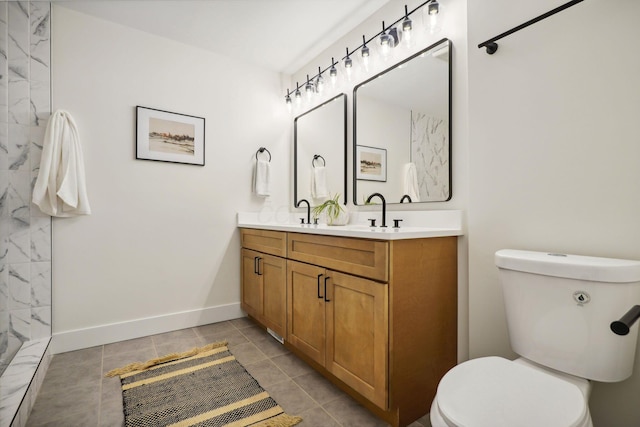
[269,242]
[361,257]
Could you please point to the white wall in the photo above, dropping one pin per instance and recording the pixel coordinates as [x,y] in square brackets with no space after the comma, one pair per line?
[160,250]
[553,154]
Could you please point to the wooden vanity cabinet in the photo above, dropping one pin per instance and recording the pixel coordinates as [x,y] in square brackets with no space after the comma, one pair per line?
[376,317]
[264,278]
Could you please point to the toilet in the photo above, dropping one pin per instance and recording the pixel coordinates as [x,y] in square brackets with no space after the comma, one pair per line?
[559,309]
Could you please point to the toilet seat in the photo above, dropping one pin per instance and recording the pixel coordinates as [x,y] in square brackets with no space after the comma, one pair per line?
[496,392]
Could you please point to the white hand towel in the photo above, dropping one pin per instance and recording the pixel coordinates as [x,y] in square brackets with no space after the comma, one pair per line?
[319,189]
[60,189]
[261,178]
[411,182]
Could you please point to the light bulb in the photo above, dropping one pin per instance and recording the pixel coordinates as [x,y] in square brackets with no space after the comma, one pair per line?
[407,26]
[308,88]
[348,64]
[365,54]
[298,95]
[433,14]
[385,42]
[319,82]
[287,99]
[333,73]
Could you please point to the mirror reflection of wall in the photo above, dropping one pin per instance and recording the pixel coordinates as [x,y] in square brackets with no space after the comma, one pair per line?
[321,132]
[406,111]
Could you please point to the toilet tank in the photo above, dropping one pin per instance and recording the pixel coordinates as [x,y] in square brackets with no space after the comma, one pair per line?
[559,309]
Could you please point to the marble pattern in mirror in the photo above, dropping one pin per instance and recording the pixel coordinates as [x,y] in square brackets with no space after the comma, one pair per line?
[321,131]
[406,110]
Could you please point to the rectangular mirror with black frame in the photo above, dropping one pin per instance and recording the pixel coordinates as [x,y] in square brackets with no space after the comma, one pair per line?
[402,130]
[320,158]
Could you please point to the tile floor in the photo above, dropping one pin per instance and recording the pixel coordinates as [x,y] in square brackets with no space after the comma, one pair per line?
[75,392]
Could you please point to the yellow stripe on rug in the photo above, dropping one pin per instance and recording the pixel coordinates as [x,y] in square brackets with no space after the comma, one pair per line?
[177,373]
[228,408]
[140,366]
[175,362]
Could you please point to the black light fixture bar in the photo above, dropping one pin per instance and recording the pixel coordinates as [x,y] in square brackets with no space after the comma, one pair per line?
[491,44]
[406,14]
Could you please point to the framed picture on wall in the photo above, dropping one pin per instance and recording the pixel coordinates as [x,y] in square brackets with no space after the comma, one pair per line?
[169,137]
[371,163]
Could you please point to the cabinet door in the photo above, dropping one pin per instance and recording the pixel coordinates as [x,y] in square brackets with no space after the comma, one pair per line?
[252,292]
[274,287]
[357,334]
[306,309]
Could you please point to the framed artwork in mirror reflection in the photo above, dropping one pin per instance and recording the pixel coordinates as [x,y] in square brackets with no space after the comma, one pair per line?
[371,163]
[169,137]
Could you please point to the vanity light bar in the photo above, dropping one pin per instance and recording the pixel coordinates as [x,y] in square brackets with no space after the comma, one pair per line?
[434,8]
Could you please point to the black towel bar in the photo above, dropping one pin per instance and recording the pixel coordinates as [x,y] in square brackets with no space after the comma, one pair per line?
[491,44]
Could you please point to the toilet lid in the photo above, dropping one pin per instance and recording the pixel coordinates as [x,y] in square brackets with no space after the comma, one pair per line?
[495,392]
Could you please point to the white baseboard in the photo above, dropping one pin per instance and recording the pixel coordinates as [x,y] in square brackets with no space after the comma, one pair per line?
[105,334]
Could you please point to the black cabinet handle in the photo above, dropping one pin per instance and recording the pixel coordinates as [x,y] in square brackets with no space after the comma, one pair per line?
[319,276]
[325,289]
[255,265]
[259,272]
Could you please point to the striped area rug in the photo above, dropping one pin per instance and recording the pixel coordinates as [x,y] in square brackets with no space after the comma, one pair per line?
[206,386]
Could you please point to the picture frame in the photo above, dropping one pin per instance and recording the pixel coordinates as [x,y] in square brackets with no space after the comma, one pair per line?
[371,163]
[169,137]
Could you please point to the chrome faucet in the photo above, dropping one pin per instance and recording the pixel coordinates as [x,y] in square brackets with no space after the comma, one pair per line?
[384,207]
[405,197]
[308,210]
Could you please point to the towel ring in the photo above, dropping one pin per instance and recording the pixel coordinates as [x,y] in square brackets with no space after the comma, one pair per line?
[262,150]
[316,157]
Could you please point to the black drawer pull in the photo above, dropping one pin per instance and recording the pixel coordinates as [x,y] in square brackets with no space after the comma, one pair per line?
[319,276]
[325,289]
[258,271]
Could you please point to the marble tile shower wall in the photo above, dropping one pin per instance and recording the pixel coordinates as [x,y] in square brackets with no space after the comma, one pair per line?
[25,233]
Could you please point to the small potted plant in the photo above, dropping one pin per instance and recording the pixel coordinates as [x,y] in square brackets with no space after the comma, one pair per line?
[334,212]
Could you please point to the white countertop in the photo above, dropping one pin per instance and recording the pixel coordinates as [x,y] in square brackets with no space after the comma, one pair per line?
[414,225]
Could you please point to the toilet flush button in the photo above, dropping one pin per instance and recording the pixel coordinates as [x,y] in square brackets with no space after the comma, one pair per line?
[581,297]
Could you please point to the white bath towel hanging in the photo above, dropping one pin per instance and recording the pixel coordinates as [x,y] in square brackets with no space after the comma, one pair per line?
[60,189]
[410,176]
[262,178]
[319,189]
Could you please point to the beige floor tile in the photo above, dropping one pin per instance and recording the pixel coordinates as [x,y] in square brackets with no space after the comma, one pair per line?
[291,365]
[349,413]
[269,346]
[266,372]
[254,333]
[247,353]
[317,417]
[128,346]
[232,336]
[319,388]
[75,393]
[290,397]
[214,328]
[243,322]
